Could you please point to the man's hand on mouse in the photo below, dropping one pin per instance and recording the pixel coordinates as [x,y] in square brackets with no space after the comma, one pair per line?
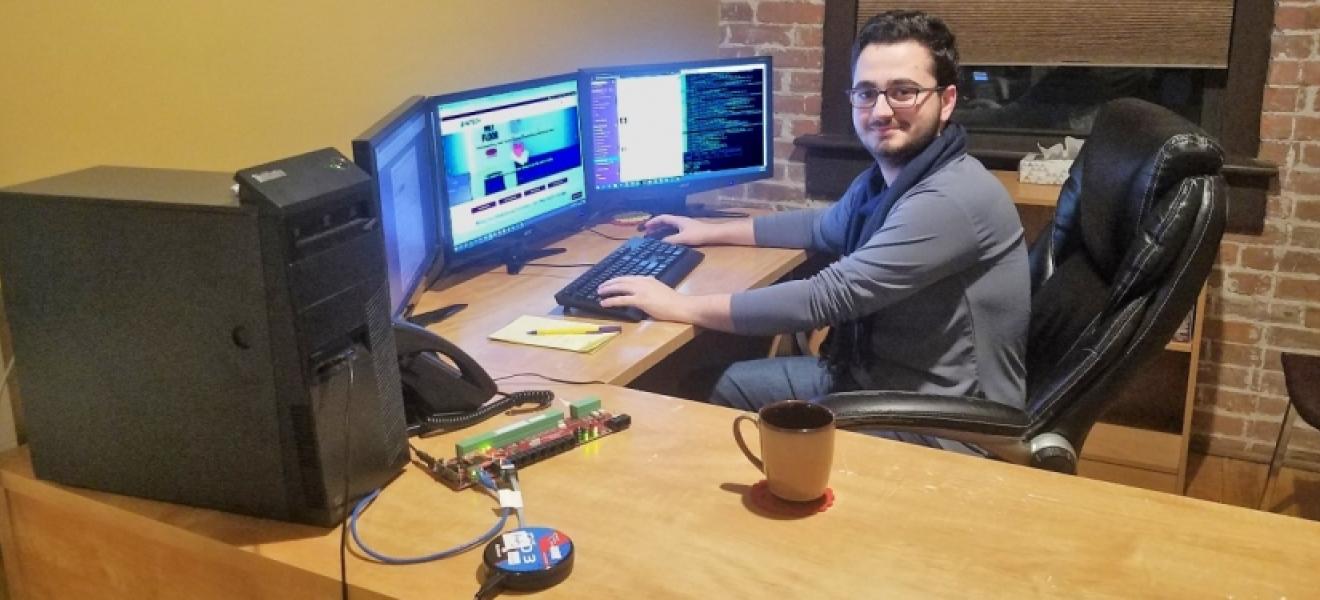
[687,231]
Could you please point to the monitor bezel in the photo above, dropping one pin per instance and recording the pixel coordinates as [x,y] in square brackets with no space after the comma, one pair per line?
[640,195]
[363,146]
[547,227]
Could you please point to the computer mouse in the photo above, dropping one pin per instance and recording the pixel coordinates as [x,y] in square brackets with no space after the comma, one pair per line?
[662,232]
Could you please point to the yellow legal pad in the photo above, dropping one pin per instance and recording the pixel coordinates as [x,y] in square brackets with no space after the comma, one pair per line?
[516,332]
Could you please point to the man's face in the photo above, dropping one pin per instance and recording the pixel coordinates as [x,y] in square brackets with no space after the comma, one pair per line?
[897,135]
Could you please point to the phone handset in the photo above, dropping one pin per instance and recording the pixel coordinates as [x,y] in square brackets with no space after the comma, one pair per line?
[431,385]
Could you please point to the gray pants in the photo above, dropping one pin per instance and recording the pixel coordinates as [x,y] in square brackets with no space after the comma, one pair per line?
[752,384]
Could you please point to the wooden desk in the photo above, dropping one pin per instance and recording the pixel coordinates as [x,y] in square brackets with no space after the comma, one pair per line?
[657,512]
[495,298]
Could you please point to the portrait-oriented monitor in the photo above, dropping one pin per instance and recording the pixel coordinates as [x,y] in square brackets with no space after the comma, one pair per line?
[656,133]
[510,168]
[398,152]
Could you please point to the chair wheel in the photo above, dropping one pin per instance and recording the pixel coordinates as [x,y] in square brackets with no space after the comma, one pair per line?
[1055,458]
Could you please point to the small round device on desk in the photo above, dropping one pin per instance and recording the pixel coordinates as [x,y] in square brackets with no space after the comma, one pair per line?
[632,218]
[526,559]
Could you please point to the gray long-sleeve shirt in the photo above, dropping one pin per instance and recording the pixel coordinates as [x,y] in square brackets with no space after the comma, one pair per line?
[944,282]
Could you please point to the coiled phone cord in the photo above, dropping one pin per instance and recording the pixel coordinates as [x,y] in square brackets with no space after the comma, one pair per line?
[441,423]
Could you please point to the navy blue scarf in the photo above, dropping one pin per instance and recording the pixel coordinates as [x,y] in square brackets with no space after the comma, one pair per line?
[849,344]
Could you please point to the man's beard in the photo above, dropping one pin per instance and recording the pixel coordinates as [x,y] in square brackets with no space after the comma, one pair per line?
[911,149]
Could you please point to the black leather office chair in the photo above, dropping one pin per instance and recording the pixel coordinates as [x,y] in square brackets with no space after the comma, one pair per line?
[1135,232]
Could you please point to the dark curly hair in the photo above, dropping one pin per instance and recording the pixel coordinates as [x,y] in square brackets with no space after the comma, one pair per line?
[894,26]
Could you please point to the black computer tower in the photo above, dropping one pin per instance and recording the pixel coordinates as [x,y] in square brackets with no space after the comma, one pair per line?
[179,341]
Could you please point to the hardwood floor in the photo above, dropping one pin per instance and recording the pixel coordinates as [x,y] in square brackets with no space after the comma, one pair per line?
[1217,479]
[1239,483]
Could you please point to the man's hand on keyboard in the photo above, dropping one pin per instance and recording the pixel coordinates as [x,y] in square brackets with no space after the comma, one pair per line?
[656,299]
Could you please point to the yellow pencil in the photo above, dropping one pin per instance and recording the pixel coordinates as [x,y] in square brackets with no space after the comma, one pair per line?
[584,329]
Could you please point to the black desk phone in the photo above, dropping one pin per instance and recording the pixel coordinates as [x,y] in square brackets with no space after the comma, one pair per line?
[431,384]
[445,389]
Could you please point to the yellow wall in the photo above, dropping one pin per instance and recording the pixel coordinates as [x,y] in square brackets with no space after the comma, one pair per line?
[224,85]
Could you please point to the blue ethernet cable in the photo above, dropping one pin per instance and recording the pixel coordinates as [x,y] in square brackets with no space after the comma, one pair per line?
[362,505]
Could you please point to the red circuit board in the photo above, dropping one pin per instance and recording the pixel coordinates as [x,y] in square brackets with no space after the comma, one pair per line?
[461,472]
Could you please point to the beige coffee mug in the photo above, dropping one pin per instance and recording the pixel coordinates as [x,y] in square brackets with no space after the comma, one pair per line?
[797,448]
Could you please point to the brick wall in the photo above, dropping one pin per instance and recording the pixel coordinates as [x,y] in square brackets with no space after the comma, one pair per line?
[1265,291]
[791,32]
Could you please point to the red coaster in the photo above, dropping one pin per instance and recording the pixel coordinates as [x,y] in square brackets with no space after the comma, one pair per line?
[762,499]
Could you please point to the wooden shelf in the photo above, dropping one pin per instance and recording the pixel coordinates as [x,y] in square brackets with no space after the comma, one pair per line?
[1028,194]
[1137,457]
[1158,481]
[1133,447]
[1185,347]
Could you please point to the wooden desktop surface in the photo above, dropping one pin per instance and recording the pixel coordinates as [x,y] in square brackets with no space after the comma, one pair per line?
[658,511]
[495,299]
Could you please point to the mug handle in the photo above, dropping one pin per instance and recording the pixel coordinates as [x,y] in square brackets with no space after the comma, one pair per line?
[742,445]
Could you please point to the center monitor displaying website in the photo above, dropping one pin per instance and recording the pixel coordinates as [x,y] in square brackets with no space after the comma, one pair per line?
[510,165]
[656,133]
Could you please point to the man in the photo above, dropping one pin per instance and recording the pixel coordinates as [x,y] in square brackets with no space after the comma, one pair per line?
[931,293]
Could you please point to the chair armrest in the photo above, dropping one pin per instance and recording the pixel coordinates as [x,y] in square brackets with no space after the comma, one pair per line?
[880,409]
[995,427]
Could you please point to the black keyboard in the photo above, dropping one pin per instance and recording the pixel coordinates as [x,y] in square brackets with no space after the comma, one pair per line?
[669,263]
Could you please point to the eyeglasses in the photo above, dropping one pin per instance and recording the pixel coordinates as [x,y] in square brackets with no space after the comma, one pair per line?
[899,96]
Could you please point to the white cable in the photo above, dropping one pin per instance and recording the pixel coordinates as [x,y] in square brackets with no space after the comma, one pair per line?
[513,482]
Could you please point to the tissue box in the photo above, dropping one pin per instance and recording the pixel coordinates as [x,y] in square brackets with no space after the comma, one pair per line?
[1051,171]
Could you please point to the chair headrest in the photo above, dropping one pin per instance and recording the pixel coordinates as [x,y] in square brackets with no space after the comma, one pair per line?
[1137,151]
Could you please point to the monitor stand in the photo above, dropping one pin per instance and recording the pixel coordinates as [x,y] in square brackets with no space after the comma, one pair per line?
[678,205]
[518,255]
